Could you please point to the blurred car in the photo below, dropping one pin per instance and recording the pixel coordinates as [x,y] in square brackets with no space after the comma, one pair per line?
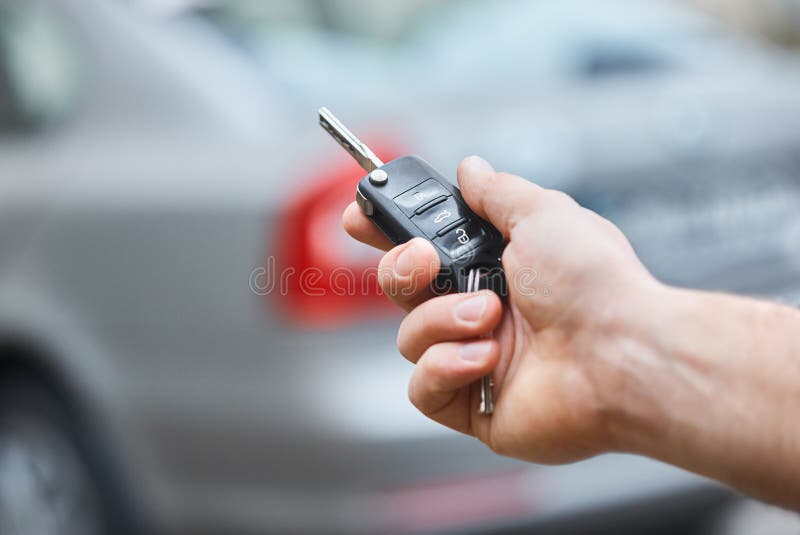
[172,358]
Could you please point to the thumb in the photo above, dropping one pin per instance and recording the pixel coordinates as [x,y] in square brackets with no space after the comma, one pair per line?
[500,198]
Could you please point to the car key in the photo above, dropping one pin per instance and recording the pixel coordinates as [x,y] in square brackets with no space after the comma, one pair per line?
[406,198]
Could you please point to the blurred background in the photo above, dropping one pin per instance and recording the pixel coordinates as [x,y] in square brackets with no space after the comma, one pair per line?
[167,363]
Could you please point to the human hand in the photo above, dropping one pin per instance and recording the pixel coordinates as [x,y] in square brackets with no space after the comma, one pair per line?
[574,281]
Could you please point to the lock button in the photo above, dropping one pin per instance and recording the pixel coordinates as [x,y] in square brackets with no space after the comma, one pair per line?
[461,238]
[420,196]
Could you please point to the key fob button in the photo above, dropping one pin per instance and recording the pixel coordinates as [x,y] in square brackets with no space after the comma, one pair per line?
[419,196]
[439,216]
[431,204]
[451,226]
[461,239]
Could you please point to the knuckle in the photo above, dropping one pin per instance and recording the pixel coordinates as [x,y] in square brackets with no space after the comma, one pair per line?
[410,334]
[424,383]
[403,342]
[560,198]
[420,317]
[509,258]
[495,179]
[496,446]
[386,277]
[414,395]
[431,364]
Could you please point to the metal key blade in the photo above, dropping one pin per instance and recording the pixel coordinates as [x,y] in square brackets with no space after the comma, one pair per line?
[487,399]
[358,150]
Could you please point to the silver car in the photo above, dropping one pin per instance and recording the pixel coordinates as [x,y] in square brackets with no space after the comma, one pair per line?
[176,353]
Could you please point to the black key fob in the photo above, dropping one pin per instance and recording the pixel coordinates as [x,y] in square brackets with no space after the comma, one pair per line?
[407,198]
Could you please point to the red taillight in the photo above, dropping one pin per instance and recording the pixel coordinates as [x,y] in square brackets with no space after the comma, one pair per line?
[325,277]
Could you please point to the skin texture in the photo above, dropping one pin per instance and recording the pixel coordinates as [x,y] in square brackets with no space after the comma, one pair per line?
[591,354]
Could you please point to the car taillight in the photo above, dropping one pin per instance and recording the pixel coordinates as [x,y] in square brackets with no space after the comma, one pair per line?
[326,278]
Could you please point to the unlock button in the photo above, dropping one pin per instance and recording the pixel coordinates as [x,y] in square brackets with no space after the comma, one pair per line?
[461,239]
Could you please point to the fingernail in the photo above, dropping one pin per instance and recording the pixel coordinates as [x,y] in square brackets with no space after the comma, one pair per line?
[404,262]
[476,351]
[477,164]
[472,309]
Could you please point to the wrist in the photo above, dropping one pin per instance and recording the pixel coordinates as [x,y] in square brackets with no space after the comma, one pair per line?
[707,382]
[636,367]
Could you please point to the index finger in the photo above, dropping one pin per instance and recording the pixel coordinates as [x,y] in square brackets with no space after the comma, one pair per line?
[361,228]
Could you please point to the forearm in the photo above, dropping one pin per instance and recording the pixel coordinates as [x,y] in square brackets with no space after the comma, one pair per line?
[712,384]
